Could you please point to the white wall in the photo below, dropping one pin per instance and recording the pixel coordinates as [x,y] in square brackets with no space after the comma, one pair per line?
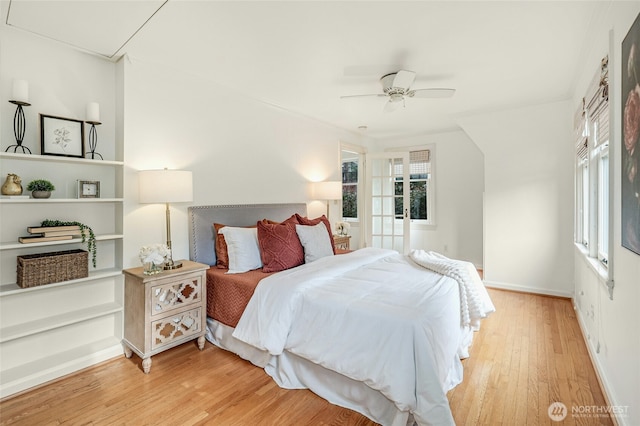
[611,325]
[528,197]
[61,83]
[459,183]
[240,151]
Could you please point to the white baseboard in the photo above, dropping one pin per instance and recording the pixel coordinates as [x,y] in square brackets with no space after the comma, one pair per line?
[38,377]
[525,289]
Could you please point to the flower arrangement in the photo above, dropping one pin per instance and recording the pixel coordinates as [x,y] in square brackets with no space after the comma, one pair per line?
[152,257]
[342,228]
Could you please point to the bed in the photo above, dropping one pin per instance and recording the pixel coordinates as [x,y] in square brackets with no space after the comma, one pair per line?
[372,330]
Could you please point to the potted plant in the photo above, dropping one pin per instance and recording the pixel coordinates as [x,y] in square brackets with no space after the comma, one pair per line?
[86,233]
[40,188]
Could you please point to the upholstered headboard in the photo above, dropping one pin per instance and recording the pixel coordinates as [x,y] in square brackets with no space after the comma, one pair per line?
[201,219]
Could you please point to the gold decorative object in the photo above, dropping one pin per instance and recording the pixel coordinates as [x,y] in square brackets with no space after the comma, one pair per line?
[12,186]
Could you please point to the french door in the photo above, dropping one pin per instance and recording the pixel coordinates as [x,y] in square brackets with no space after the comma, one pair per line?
[387,201]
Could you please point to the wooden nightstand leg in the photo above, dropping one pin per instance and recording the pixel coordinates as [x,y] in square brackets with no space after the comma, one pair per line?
[127,351]
[146,365]
[201,341]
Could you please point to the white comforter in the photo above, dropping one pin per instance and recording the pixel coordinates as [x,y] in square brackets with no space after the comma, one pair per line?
[372,315]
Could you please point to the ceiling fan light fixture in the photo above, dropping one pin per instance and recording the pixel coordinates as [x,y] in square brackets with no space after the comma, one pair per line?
[396,97]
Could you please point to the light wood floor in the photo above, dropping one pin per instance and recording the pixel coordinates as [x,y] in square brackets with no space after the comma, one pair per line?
[527,355]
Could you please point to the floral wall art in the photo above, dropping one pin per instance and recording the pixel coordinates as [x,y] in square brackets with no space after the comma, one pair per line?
[630,139]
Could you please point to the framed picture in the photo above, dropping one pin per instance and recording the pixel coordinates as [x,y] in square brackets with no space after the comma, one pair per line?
[88,189]
[630,151]
[61,136]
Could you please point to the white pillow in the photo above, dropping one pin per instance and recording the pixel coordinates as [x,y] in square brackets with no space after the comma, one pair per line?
[242,245]
[315,241]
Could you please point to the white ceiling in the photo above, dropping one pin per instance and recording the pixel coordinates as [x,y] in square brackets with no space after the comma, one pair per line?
[98,26]
[302,56]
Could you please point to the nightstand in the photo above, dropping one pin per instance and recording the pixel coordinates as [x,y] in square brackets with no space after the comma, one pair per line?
[164,310]
[341,242]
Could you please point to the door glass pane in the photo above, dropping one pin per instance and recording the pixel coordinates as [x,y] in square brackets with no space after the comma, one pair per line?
[387,225]
[376,205]
[377,225]
[387,186]
[376,186]
[387,206]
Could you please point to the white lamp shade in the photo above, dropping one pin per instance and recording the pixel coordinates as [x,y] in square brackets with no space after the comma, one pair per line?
[165,186]
[329,190]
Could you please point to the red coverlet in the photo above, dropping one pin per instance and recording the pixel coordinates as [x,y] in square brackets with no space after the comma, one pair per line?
[228,294]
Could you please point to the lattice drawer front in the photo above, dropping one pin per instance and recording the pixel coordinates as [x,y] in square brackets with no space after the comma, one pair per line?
[169,329]
[170,296]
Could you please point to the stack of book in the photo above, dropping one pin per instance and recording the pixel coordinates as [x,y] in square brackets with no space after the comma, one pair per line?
[38,234]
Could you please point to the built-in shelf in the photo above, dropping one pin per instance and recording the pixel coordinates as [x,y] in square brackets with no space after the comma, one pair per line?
[60,200]
[10,289]
[56,321]
[58,159]
[12,245]
[82,321]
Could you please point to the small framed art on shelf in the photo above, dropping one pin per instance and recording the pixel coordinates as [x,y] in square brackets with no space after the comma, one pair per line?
[88,189]
[61,136]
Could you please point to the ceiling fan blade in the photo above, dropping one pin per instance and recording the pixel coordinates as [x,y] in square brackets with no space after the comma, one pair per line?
[378,95]
[404,79]
[431,93]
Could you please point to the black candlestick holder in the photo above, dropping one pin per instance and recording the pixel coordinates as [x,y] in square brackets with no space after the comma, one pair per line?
[93,140]
[19,127]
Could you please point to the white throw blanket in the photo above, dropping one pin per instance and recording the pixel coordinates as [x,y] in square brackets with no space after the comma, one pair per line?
[475,302]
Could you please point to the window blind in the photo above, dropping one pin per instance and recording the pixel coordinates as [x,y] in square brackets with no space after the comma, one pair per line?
[580,123]
[419,162]
[598,106]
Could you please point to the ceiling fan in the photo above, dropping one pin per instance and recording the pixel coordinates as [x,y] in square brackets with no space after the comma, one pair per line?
[397,87]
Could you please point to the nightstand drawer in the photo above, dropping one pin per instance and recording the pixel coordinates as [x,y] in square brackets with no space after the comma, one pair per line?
[175,327]
[176,294]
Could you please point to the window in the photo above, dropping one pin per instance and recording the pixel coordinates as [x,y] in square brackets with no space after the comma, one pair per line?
[351,158]
[592,169]
[350,188]
[420,187]
[603,205]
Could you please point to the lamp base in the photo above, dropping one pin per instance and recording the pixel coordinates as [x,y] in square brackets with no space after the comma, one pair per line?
[173,265]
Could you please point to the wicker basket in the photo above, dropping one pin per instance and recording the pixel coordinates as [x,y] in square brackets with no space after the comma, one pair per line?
[47,268]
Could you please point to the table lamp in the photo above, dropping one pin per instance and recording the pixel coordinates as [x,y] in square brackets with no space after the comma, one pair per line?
[166,186]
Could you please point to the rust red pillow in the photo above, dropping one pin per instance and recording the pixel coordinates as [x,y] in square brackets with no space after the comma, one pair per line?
[280,247]
[222,253]
[306,221]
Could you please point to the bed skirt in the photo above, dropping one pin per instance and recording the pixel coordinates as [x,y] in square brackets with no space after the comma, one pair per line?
[290,371]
